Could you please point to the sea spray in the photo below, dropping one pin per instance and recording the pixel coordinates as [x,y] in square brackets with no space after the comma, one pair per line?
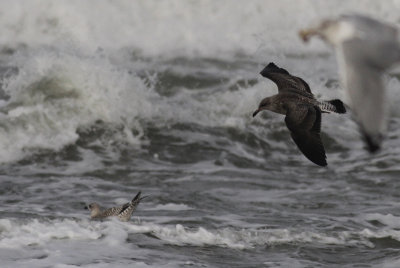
[53,95]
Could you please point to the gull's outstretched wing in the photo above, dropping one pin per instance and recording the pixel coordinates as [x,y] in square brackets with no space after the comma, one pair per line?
[304,123]
[372,29]
[284,80]
[361,75]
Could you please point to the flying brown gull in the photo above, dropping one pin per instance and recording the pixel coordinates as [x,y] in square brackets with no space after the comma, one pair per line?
[123,212]
[365,48]
[302,110]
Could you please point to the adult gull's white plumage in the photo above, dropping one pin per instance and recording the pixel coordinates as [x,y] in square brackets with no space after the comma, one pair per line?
[365,48]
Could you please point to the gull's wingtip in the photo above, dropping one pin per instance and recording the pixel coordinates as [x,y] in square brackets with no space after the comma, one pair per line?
[373,143]
[339,106]
[320,160]
[322,163]
[272,68]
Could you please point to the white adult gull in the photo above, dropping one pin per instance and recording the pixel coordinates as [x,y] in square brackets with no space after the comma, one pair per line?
[365,49]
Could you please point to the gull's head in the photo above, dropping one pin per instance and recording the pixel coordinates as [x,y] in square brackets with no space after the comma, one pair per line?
[94,209]
[333,31]
[265,104]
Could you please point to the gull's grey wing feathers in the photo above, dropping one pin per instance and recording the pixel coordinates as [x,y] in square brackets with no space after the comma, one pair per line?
[365,49]
[304,123]
[363,79]
[372,29]
[378,53]
[284,80]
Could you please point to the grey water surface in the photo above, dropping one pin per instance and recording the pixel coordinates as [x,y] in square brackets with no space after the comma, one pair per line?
[102,99]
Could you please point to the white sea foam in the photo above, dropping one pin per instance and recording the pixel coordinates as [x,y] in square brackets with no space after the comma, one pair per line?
[175,27]
[389,220]
[39,233]
[171,207]
[55,94]
[250,238]
[47,243]
[59,241]
[15,234]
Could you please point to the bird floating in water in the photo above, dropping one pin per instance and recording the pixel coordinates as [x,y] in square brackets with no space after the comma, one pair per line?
[365,48]
[302,110]
[123,212]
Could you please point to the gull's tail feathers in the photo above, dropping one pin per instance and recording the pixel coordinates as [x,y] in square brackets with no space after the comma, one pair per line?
[335,106]
[339,106]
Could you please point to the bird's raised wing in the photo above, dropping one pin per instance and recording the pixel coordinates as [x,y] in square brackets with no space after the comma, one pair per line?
[284,80]
[130,207]
[304,123]
[363,81]
[372,29]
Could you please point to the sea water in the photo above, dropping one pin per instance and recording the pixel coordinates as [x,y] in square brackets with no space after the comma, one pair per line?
[101,99]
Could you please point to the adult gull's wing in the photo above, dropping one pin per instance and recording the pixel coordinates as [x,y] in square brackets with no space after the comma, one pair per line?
[304,123]
[363,80]
[284,80]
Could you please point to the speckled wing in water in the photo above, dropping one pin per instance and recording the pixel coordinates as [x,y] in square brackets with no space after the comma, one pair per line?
[126,211]
[114,211]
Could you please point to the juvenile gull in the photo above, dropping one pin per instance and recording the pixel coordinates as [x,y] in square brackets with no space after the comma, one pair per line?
[123,212]
[365,48]
[302,110]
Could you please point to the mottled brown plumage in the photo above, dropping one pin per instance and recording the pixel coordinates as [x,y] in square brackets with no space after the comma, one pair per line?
[302,110]
[123,212]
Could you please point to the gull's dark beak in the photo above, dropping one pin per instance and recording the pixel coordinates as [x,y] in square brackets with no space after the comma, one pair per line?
[256,112]
[305,34]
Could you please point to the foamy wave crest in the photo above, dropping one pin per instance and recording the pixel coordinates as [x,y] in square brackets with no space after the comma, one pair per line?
[113,233]
[207,28]
[16,235]
[244,238]
[45,243]
[53,95]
